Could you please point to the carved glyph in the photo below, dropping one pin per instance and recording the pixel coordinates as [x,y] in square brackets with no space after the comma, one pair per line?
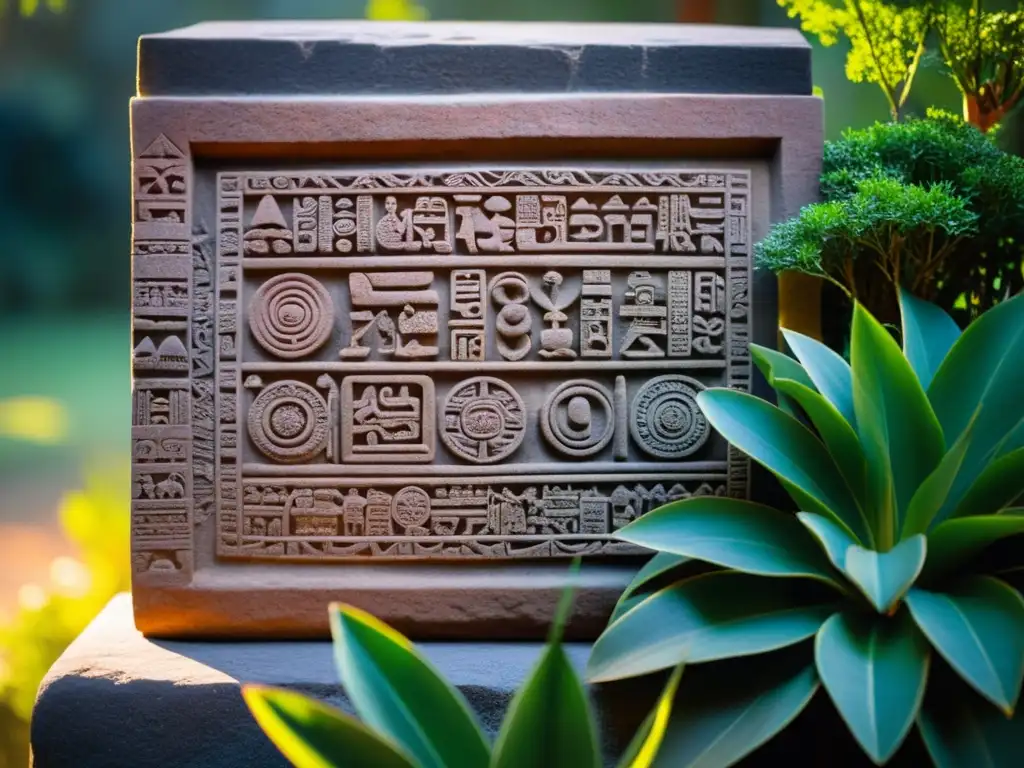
[467,363]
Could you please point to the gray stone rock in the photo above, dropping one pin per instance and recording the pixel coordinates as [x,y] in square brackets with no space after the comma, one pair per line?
[296,58]
[115,698]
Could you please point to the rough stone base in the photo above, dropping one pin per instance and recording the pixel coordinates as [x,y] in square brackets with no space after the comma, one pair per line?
[117,699]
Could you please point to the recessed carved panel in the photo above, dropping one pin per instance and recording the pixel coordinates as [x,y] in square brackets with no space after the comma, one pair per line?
[497,364]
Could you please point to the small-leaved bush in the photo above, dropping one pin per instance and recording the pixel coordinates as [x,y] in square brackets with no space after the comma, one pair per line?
[931,205]
[411,717]
[896,584]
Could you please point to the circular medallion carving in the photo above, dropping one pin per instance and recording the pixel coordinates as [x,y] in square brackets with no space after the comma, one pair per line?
[291,315]
[578,418]
[410,507]
[288,421]
[665,418]
[484,420]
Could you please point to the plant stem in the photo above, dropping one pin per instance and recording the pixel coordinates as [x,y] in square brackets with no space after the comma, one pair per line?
[888,90]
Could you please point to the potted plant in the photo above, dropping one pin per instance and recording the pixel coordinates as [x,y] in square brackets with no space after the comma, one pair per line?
[930,205]
[887,587]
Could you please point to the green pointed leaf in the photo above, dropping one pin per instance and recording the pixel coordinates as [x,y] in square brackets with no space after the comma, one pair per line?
[931,495]
[874,669]
[644,746]
[775,365]
[549,723]
[833,540]
[928,335]
[726,710]
[400,694]
[997,487]
[715,616]
[957,541]
[901,436]
[962,730]
[884,577]
[313,735]
[787,449]
[731,533]
[982,369]
[829,372]
[978,627]
[839,437]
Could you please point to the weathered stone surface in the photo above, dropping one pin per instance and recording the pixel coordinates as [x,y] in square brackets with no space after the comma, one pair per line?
[116,699]
[423,387]
[352,57]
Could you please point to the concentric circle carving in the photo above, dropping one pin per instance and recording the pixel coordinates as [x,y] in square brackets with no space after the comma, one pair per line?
[578,418]
[291,315]
[484,420]
[288,421]
[665,418]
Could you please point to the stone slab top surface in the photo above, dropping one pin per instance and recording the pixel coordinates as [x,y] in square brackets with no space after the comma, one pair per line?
[424,58]
[115,698]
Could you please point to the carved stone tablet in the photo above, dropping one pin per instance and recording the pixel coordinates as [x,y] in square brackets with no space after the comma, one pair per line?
[423,388]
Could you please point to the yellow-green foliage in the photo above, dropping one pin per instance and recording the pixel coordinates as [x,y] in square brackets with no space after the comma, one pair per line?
[983,50]
[395,10]
[30,7]
[50,616]
[985,56]
[886,39]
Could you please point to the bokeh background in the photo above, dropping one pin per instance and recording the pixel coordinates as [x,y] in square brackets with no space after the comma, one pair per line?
[67,70]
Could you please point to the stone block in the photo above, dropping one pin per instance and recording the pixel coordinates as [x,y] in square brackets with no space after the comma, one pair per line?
[117,699]
[421,311]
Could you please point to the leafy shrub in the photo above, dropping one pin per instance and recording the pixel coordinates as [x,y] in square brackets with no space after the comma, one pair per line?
[983,51]
[413,718]
[932,205]
[905,465]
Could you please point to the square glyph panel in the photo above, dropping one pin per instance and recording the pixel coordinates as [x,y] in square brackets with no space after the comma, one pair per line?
[466,363]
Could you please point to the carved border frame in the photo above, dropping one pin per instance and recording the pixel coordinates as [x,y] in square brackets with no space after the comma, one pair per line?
[169,136]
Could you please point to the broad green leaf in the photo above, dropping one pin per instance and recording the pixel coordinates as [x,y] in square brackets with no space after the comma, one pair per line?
[313,735]
[775,365]
[962,730]
[643,747]
[957,541]
[715,616]
[1013,441]
[931,495]
[978,627]
[661,568]
[928,335]
[829,372]
[839,437]
[778,365]
[901,436]
[726,710]
[997,487]
[884,577]
[400,694]
[731,533]
[835,541]
[874,669]
[786,448]
[982,369]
